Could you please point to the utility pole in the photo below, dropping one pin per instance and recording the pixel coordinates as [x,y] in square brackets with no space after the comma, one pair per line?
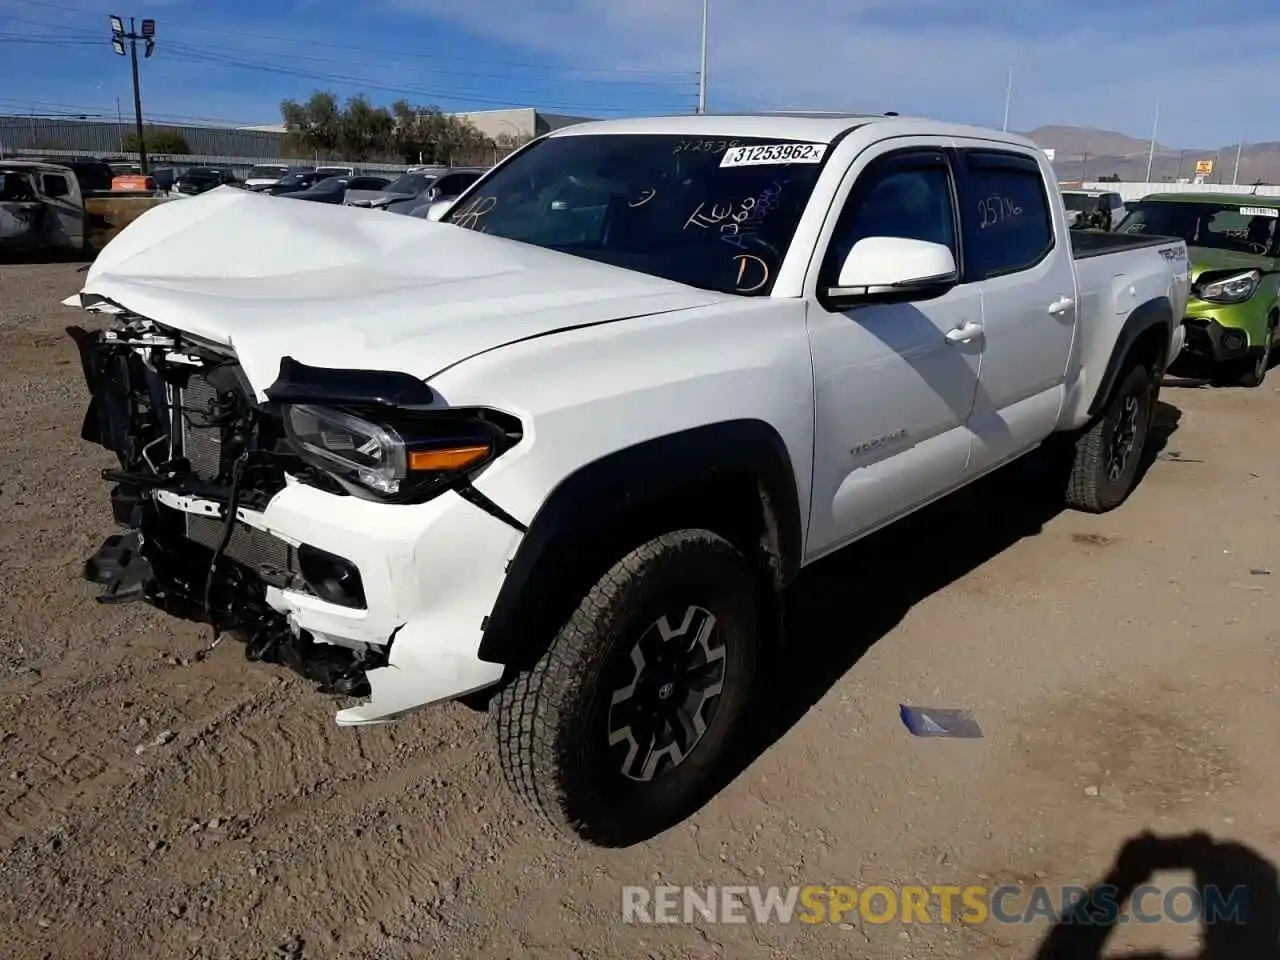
[148,36]
[702,73]
[1151,154]
[1235,176]
[1008,99]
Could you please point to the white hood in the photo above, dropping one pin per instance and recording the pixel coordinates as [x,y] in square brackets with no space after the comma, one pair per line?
[335,286]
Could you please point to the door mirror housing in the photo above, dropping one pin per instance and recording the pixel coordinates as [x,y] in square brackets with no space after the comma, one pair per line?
[893,270]
[438,209]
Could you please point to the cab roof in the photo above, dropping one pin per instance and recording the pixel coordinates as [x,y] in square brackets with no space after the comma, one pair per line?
[812,127]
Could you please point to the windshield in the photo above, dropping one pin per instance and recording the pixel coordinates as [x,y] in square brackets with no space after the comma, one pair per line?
[261,173]
[410,183]
[1080,201]
[712,213]
[1211,225]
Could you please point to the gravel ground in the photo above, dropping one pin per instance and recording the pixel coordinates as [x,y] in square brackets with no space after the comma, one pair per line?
[158,799]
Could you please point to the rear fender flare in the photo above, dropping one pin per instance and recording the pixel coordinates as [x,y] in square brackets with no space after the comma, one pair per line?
[1155,313]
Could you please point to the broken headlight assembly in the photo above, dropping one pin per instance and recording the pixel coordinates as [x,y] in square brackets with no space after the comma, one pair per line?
[397,456]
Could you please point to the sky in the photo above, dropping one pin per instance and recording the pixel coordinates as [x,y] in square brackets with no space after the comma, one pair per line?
[1099,63]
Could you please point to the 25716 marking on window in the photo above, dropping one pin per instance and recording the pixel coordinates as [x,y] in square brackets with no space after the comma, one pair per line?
[769,153]
[1259,212]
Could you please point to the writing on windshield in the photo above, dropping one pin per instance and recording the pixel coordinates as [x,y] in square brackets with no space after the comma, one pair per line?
[718,214]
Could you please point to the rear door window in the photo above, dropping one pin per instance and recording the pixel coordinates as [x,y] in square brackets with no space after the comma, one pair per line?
[1004,213]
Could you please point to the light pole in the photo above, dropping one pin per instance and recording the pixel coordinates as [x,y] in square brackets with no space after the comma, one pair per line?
[702,73]
[1235,176]
[1008,99]
[1151,154]
[148,36]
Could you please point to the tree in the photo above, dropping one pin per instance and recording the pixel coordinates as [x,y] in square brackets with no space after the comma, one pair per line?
[158,140]
[1110,178]
[361,131]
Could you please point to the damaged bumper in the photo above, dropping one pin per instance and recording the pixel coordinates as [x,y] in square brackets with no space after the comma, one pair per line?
[225,525]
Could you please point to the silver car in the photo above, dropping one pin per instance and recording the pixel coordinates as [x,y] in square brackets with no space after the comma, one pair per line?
[407,186]
[448,187]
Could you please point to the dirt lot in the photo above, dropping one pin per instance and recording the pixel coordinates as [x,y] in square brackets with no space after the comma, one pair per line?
[156,801]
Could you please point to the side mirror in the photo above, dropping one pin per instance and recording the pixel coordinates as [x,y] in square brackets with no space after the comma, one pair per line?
[893,270]
[438,209]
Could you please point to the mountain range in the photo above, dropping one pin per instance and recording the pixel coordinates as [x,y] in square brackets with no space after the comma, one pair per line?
[1083,153]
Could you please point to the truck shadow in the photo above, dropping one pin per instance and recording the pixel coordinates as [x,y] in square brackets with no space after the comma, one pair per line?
[843,604]
[1235,895]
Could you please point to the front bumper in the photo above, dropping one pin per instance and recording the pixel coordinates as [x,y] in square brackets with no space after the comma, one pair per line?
[427,573]
[1211,340]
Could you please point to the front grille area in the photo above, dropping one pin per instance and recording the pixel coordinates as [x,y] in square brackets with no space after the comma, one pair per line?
[270,557]
[201,445]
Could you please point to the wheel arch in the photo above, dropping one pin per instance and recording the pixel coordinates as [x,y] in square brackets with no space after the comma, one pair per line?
[1144,338]
[734,478]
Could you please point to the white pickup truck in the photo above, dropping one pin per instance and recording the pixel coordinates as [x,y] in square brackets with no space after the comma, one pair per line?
[560,453]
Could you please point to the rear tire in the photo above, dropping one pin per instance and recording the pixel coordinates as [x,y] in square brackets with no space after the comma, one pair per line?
[624,726]
[1108,454]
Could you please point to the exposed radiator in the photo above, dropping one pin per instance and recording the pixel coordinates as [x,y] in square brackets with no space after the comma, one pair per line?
[272,558]
[202,446]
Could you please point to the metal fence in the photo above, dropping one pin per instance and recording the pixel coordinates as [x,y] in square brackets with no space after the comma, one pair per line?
[209,146]
[102,137]
[240,166]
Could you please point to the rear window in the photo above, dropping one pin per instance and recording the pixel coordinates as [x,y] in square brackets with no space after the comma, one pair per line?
[1081,202]
[261,173]
[410,183]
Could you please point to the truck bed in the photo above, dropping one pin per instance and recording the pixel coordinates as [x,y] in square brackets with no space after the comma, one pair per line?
[1096,243]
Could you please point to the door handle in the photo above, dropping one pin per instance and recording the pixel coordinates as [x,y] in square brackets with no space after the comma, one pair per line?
[1061,305]
[965,333]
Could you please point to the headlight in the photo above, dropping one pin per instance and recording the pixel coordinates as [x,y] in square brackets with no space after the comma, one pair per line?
[399,456]
[1234,289]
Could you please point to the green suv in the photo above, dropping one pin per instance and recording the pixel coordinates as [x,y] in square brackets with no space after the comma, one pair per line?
[1234,245]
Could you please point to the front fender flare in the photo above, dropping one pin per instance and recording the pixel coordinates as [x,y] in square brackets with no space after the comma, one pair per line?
[602,493]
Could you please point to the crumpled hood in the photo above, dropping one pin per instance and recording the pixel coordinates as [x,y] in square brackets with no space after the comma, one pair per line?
[335,286]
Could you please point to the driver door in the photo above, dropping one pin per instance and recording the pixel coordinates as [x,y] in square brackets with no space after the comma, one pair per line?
[895,383]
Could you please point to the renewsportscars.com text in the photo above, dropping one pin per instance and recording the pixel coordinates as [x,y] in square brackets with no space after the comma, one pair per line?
[971,904]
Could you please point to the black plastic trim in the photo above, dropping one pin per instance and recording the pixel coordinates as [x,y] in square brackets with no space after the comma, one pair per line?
[584,505]
[300,383]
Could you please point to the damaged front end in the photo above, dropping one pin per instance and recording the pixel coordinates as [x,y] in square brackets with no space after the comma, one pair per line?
[199,460]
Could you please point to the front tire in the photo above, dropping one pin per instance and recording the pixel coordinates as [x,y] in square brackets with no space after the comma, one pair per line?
[623,727]
[1255,368]
[1108,455]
